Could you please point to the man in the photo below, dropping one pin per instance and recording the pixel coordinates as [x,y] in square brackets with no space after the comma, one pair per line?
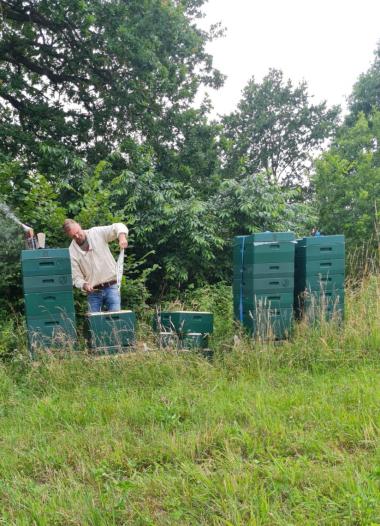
[93,265]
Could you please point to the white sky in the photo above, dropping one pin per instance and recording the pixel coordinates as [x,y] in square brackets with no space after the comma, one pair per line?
[328,43]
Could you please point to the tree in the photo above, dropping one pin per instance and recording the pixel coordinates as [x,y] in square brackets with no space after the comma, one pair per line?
[276,129]
[347,183]
[365,95]
[81,75]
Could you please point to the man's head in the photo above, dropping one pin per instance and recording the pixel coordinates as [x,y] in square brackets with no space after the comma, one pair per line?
[74,231]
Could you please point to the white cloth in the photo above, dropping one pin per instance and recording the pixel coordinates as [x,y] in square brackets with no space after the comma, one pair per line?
[97,265]
[120,268]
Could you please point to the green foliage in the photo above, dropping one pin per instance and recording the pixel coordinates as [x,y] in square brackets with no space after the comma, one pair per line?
[347,183]
[275,130]
[365,95]
[13,339]
[79,76]
[11,244]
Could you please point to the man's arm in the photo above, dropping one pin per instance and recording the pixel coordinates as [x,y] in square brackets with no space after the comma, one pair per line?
[115,231]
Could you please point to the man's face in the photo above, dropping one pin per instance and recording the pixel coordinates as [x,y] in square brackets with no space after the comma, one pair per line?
[77,233]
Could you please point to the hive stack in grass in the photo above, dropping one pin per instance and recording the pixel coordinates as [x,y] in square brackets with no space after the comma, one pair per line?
[319,277]
[110,332]
[263,283]
[48,294]
[183,329]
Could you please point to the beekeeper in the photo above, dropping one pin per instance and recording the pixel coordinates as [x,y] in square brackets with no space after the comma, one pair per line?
[93,265]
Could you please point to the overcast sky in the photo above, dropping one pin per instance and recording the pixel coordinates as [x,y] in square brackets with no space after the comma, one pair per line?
[328,43]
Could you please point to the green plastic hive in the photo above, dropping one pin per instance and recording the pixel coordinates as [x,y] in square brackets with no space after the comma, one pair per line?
[110,329]
[47,283]
[184,322]
[45,304]
[54,261]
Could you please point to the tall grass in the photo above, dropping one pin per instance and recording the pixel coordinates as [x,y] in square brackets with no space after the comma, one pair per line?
[264,434]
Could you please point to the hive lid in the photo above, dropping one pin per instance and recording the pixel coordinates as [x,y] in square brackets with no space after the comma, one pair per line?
[108,313]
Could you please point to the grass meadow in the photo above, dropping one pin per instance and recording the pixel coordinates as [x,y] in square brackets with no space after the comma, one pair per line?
[261,435]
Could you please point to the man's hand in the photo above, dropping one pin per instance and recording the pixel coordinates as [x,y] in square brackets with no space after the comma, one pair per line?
[87,287]
[123,242]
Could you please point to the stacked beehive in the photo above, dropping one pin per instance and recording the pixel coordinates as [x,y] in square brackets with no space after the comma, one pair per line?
[263,284]
[49,304]
[183,329]
[110,332]
[319,272]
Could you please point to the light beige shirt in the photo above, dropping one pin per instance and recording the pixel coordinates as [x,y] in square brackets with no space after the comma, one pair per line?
[97,265]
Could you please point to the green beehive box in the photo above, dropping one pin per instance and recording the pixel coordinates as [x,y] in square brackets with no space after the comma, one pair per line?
[268,247]
[263,237]
[319,300]
[46,262]
[264,301]
[276,252]
[309,241]
[253,302]
[240,242]
[44,304]
[321,247]
[263,270]
[110,329]
[327,297]
[47,283]
[52,331]
[184,322]
[317,312]
[274,324]
[319,266]
[264,285]
[329,282]
[269,253]
[193,340]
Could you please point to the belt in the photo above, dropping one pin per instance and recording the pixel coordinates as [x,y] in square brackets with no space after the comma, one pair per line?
[104,285]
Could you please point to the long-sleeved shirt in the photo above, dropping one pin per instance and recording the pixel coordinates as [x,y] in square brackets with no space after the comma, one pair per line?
[97,265]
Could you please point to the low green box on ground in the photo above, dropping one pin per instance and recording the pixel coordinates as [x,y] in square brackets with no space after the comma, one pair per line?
[184,322]
[194,341]
[110,329]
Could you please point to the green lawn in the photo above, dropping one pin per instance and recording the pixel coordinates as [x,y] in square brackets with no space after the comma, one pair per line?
[262,435]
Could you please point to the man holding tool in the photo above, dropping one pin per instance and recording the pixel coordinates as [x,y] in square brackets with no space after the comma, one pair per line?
[93,266]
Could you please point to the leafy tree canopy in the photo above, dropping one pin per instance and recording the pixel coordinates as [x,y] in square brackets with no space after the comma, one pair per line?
[347,183]
[83,74]
[275,129]
[365,95]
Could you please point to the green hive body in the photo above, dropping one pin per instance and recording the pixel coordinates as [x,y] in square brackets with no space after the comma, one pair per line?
[46,262]
[49,303]
[319,283]
[110,332]
[183,329]
[263,284]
